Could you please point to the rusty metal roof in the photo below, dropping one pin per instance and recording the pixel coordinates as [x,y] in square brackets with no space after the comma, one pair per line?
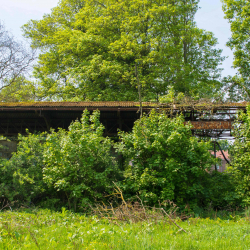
[76,104]
[211,124]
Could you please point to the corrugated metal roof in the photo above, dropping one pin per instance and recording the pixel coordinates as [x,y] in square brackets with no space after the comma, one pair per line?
[76,104]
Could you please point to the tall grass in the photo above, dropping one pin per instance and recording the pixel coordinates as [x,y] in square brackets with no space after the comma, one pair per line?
[44,229]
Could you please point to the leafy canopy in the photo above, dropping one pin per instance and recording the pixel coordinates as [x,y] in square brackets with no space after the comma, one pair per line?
[106,50]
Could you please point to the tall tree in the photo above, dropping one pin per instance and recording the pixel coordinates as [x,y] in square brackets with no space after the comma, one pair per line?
[108,50]
[15,59]
[238,14]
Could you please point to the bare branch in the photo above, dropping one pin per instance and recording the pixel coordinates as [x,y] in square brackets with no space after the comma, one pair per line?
[15,58]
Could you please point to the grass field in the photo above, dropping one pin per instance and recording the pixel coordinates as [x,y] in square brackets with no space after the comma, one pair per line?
[44,229]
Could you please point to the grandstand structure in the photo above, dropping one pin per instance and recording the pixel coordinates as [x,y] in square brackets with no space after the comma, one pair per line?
[213,120]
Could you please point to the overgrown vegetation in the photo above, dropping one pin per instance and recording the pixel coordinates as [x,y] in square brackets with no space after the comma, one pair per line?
[158,193]
[159,160]
[125,50]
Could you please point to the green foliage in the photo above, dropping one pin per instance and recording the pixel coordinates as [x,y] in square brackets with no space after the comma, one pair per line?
[74,166]
[164,161]
[224,144]
[21,90]
[240,157]
[90,50]
[79,161]
[221,189]
[21,177]
[237,12]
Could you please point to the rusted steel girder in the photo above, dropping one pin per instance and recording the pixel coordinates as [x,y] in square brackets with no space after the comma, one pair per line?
[211,125]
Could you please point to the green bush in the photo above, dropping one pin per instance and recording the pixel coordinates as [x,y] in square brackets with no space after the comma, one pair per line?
[165,162]
[21,177]
[79,162]
[240,158]
[222,191]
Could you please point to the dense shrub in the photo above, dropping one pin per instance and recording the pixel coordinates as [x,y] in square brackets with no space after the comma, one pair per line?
[79,161]
[240,158]
[165,162]
[21,177]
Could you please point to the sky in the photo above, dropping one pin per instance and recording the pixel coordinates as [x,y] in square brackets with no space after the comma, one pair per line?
[15,13]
